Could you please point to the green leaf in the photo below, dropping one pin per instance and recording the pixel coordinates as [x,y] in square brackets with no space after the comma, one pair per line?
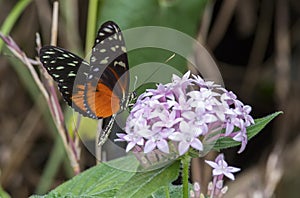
[181,15]
[12,18]
[103,180]
[3,194]
[144,183]
[252,130]
[174,191]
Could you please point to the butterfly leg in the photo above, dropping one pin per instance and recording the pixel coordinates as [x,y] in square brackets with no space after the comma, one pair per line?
[104,134]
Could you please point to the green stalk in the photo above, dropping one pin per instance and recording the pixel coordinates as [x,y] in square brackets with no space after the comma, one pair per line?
[91,25]
[167,192]
[185,161]
[12,18]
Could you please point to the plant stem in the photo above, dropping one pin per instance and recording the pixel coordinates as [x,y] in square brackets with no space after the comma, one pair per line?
[167,192]
[91,25]
[185,161]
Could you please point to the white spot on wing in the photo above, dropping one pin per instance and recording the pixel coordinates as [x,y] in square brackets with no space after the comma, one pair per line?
[59,50]
[113,49]
[123,49]
[107,30]
[71,64]
[71,75]
[49,52]
[120,63]
[104,61]
[93,59]
[96,69]
[60,68]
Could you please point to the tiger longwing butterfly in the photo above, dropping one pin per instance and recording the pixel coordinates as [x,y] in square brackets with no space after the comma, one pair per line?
[98,89]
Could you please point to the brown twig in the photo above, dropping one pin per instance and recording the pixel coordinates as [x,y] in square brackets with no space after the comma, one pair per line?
[282,39]
[71,147]
[13,47]
[282,63]
[199,171]
[259,48]
[52,100]
[219,28]
[205,23]
[54,25]
[49,92]
[21,144]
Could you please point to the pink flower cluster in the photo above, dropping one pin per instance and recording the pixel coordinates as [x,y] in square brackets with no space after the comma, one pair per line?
[182,113]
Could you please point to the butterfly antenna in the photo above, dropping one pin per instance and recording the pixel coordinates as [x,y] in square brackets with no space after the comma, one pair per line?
[135,82]
[167,60]
[170,58]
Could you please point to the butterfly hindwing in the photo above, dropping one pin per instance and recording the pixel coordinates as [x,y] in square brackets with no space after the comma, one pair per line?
[108,79]
[70,72]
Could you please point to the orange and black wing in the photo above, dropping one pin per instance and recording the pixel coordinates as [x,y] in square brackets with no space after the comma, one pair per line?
[98,89]
[70,72]
[107,83]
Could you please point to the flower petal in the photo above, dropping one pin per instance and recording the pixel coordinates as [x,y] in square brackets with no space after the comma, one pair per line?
[229,175]
[176,136]
[149,146]
[130,145]
[197,144]
[163,146]
[211,163]
[183,147]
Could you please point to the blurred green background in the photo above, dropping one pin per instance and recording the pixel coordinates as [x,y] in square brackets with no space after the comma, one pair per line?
[256,45]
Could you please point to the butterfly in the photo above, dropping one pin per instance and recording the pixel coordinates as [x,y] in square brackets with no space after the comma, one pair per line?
[98,89]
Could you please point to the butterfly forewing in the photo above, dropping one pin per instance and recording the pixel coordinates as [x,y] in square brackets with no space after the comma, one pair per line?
[108,79]
[98,89]
[70,72]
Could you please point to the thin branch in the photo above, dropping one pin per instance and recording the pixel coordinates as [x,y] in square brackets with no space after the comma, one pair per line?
[282,40]
[54,26]
[259,48]
[14,48]
[51,99]
[222,21]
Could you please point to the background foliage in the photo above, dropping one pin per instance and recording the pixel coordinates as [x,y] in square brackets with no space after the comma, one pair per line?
[255,45]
